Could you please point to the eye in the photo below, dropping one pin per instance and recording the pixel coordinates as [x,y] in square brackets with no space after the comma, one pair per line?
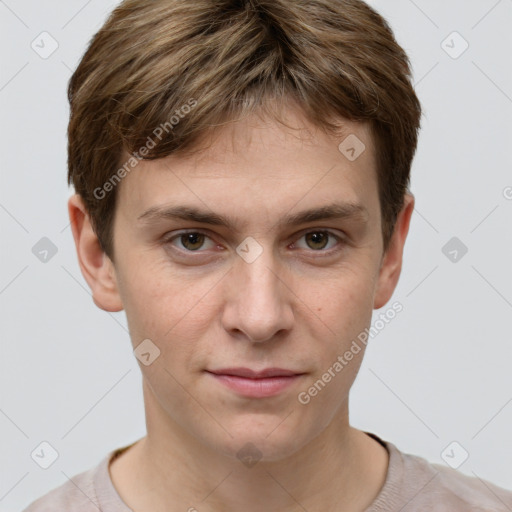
[191,241]
[197,241]
[319,241]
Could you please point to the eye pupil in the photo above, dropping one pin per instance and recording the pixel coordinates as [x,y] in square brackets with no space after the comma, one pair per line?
[192,238]
[318,238]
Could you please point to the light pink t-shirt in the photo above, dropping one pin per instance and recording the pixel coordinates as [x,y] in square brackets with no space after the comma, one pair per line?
[412,485]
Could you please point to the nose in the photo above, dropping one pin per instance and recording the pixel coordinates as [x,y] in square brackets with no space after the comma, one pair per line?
[259,303]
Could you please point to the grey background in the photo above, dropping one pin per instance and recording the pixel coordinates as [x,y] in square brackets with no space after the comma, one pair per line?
[438,373]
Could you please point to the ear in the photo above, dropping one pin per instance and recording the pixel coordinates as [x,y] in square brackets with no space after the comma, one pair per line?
[96,266]
[391,264]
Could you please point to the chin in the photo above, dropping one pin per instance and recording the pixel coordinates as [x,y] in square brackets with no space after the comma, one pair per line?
[263,439]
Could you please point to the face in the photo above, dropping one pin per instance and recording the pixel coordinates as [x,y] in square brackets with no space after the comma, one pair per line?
[219,266]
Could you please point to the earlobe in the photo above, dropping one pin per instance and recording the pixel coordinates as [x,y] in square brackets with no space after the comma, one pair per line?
[96,266]
[391,266]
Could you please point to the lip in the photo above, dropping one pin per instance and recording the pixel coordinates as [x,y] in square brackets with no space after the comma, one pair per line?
[252,374]
[256,384]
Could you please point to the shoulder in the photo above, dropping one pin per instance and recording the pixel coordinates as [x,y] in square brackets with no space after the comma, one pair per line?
[414,484]
[78,494]
[442,488]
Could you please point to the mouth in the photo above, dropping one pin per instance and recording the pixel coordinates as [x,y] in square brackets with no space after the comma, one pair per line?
[256,384]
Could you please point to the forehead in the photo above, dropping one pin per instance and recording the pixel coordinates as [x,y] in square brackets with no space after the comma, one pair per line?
[260,167]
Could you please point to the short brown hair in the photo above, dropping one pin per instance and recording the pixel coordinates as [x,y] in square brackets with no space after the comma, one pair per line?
[216,60]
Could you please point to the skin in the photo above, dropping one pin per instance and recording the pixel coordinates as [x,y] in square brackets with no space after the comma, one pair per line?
[299,306]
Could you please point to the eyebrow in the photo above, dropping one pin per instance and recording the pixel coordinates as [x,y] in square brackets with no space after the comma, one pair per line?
[348,210]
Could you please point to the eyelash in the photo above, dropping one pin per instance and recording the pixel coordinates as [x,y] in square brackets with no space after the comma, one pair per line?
[327,252]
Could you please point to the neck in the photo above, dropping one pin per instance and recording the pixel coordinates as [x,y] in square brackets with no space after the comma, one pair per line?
[340,469]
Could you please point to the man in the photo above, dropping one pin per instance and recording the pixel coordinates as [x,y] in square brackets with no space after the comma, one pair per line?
[241,171]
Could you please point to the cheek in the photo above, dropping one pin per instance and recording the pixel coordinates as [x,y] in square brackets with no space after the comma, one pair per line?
[342,311]
[342,301]
[164,304]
